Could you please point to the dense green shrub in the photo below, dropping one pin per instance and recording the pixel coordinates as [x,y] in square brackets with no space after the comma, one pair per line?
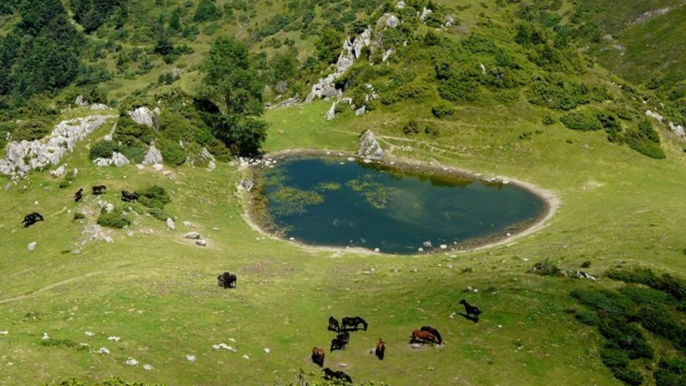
[671,372]
[612,357]
[159,214]
[443,110]
[412,127]
[103,149]
[207,10]
[115,219]
[584,120]
[153,197]
[628,376]
[79,216]
[172,152]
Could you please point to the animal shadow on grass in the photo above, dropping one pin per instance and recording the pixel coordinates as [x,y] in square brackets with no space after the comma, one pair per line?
[474,319]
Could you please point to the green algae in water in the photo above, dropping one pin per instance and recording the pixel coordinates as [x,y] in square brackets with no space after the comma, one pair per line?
[349,204]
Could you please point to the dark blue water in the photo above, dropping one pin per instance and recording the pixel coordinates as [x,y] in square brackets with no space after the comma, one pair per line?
[326,203]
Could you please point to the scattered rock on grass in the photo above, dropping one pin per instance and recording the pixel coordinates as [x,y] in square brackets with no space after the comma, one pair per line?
[131,362]
[32,246]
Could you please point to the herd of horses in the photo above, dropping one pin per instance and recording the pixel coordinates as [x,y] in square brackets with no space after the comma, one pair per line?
[426,334]
[97,190]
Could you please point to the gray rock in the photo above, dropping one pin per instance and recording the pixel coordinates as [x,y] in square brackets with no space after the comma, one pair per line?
[211,166]
[158,167]
[331,113]
[654,115]
[108,240]
[98,107]
[170,224]
[416,345]
[449,21]
[58,172]
[400,5]
[143,116]
[25,156]
[119,160]
[387,54]
[102,162]
[392,21]
[32,246]
[369,147]
[361,111]
[81,101]
[677,129]
[153,156]
[201,243]
[187,224]
[246,185]
[109,207]
[192,236]
[425,13]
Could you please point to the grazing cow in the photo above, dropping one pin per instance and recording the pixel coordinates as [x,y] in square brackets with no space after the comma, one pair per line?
[333,324]
[423,337]
[318,356]
[380,349]
[98,190]
[78,195]
[339,375]
[227,280]
[433,332]
[339,342]
[31,219]
[473,312]
[127,196]
[350,323]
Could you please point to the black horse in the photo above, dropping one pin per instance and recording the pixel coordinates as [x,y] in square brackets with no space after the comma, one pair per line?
[78,195]
[31,219]
[333,324]
[227,280]
[340,341]
[473,312]
[331,375]
[433,332]
[99,189]
[127,196]
[351,323]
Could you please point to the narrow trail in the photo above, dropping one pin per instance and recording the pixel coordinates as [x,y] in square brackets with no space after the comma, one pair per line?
[51,286]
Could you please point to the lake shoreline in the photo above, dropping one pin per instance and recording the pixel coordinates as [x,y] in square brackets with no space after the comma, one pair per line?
[551,202]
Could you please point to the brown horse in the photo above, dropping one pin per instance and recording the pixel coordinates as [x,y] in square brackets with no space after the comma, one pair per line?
[423,337]
[380,349]
[318,356]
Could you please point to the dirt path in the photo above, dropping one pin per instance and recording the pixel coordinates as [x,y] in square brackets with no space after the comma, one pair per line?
[51,286]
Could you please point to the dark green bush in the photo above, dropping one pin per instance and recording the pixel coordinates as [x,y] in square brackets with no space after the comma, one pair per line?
[586,264]
[207,10]
[588,318]
[584,120]
[103,149]
[154,197]
[671,372]
[114,219]
[412,127]
[172,152]
[443,110]
[79,216]
[628,376]
[159,214]
[548,119]
[612,357]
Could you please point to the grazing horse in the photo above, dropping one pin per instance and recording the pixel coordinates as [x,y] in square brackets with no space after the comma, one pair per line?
[99,189]
[423,337]
[333,324]
[352,322]
[127,196]
[339,342]
[31,219]
[380,349]
[318,356]
[433,332]
[472,311]
[331,375]
[227,280]
[78,195]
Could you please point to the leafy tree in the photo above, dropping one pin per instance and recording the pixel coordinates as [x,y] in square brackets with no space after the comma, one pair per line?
[232,81]
[329,45]
[207,10]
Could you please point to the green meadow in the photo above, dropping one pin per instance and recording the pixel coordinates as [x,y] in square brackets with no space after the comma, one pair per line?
[158,292]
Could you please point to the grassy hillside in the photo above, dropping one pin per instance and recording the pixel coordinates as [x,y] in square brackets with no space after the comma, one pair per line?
[496,93]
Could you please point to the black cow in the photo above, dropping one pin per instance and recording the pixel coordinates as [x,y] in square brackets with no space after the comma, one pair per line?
[99,189]
[433,332]
[340,341]
[350,323]
[31,219]
[227,280]
[78,195]
[331,375]
[473,312]
[333,324]
[127,196]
